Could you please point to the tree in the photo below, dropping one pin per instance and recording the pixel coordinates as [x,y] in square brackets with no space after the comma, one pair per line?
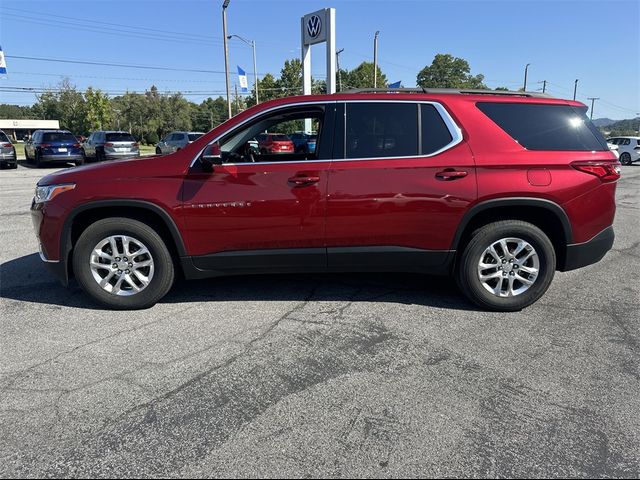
[291,77]
[64,103]
[97,109]
[447,71]
[362,77]
[15,111]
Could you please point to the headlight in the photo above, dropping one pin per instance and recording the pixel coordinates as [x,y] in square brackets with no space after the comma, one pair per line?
[44,194]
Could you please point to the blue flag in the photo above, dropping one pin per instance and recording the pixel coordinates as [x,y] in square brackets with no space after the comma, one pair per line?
[242,79]
[396,85]
[3,63]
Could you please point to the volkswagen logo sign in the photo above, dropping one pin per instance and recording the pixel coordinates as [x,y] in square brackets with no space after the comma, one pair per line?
[314,26]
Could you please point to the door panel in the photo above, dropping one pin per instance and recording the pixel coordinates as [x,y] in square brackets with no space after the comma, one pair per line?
[399,202]
[255,207]
[412,189]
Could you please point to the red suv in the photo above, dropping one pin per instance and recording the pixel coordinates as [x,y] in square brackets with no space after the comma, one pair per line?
[274,143]
[498,189]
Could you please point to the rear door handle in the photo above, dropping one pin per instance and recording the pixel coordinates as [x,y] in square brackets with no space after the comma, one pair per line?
[449,174]
[303,180]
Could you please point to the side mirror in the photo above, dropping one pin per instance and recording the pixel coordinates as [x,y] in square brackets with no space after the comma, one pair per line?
[210,157]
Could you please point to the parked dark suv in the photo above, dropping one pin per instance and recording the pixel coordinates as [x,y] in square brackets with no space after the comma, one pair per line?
[498,189]
[53,146]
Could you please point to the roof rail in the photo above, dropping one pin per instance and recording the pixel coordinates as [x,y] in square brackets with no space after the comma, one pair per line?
[448,90]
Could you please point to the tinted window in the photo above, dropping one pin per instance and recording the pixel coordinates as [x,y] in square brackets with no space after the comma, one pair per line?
[381,130]
[435,134]
[194,136]
[546,127]
[626,142]
[58,137]
[3,137]
[120,137]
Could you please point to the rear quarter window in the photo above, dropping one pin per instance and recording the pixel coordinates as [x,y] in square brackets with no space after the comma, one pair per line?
[546,127]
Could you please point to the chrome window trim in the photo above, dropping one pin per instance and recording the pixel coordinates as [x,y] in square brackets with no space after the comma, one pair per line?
[452,126]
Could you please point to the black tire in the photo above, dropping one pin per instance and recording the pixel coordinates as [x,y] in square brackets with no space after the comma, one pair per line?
[26,156]
[38,160]
[467,268]
[13,165]
[625,158]
[158,151]
[164,271]
[99,155]
[80,161]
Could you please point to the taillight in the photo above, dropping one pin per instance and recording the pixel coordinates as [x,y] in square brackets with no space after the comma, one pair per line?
[605,171]
[5,145]
[108,144]
[45,145]
[76,145]
[134,145]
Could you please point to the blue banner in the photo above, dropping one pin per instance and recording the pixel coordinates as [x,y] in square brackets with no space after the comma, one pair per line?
[242,79]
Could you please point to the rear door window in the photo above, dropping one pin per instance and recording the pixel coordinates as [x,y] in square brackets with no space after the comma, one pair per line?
[434,132]
[3,137]
[381,129]
[546,127]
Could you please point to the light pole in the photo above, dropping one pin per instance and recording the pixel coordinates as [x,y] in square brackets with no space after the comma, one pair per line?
[226,53]
[338,67]
[575,88]
[252,44]
[375,59]
[526,69]
[593,99]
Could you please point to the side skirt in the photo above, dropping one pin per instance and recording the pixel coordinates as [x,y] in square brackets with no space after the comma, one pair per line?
[319,260]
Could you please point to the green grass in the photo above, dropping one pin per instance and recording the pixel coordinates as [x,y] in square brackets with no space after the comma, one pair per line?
[147,149]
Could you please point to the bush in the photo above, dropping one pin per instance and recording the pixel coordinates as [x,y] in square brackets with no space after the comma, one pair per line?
[151,138]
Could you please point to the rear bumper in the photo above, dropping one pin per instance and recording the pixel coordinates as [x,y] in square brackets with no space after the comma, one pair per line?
[117,155]
[582,254]
[61,158]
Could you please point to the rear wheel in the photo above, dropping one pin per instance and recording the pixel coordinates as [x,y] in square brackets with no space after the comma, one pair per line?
[158,151]
[123,264]
[625,158]
[38,159]
[506,266]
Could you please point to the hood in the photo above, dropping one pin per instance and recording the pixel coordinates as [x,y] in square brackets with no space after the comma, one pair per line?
[154,165]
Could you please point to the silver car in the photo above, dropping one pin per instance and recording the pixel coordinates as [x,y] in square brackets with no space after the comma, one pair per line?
[174,141]
[110,145]
[7,152]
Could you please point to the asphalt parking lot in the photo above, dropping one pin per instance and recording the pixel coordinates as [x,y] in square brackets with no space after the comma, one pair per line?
[307,376]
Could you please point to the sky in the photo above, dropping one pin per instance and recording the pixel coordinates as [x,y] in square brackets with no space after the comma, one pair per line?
[597,42]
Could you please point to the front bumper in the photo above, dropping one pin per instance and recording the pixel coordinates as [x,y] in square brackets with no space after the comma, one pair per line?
[582,254]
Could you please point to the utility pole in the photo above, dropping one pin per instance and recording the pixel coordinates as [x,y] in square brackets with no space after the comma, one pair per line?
[338,68]
[544,86]
[226,53]
[211,119]
[575,88]
[375,59]
[526,69]
[593,99]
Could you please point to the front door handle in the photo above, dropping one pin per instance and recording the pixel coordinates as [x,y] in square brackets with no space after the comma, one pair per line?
[303,181]
[449,174]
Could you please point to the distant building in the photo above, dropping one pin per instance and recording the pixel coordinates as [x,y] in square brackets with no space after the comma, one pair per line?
[18,129]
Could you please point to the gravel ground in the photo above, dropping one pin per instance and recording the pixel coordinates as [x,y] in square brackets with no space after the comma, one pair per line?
[324,375]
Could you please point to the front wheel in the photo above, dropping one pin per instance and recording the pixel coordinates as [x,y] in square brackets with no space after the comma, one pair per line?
[506,266]
[158,151]
[123,264]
